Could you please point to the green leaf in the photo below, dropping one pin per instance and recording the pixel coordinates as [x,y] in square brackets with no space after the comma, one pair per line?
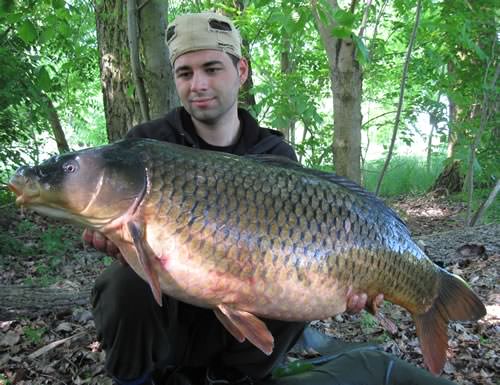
[27,32]
[322,15]
[344,18]
[64,28]
[341,32]
[13,17]
[58,4]
[362,52]
[47,34]
[43,79]
[7,6]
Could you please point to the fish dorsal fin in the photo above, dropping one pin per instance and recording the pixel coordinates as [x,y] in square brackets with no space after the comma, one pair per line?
[146,258]
[353,187]
[242,324]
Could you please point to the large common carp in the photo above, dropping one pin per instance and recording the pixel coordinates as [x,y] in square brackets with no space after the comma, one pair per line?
[249,236]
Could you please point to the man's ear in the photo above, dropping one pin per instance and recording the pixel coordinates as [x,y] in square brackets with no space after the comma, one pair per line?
[243,70]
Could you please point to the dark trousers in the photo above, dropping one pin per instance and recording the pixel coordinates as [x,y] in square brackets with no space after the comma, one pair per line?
[139,336]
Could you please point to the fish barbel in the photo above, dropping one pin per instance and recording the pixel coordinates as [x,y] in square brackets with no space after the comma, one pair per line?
[249,237]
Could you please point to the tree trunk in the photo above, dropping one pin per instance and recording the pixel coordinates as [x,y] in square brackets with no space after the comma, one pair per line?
[450,180]
[347,89]
[246,99]
[55,123]
[346,81]
[157,73]
[286,69]
[121,109]
[18,301]
[135,60]
[433,121]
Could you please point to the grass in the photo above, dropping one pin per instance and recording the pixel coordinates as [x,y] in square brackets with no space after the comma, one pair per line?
[492,215]
[409,176]
[405,175]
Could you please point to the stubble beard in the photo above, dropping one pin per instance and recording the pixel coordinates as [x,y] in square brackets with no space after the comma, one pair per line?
[212,115]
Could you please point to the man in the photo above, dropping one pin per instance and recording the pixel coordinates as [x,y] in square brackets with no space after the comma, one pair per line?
[178,342]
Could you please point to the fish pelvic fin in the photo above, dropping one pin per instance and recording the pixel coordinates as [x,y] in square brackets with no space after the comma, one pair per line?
[242,324]
[146,258]
[229,325]
[455,302]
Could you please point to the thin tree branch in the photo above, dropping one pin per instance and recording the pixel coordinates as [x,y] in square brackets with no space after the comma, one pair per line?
[401,96]
[379,116]
[139,7]
[375,29]
[485,116]
[365,18]
[486,204]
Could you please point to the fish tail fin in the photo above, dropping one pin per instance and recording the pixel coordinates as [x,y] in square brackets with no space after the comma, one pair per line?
[455,302]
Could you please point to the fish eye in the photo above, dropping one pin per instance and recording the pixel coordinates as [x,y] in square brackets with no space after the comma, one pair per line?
[70,167]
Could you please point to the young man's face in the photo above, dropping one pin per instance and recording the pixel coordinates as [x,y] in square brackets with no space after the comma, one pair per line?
[208,83]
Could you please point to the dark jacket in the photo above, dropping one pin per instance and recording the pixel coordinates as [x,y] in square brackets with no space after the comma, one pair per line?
[177,127]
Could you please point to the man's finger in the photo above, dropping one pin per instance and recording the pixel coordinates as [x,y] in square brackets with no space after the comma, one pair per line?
[377,303]
[87,236]
[111,249]
[356,302]
[352,300]
[99,241]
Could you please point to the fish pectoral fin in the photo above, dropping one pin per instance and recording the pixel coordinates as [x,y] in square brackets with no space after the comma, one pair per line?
[147,258]
[242,324]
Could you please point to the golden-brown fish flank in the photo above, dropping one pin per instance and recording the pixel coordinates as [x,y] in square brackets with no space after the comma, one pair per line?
[253,236]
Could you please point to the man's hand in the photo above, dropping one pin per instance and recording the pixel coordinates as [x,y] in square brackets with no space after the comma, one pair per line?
[357,302]
[99,241]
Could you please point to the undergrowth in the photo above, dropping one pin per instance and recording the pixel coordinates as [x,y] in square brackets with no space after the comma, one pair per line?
[405,175]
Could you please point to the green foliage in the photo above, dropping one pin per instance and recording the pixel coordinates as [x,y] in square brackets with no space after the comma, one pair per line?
[107,260]
[34,335]
[49,49]
[27,228]
[44,276]
[4,380]
[48,53]
[6,197]
[12,246]
[48,247]
[54,243]
[368,322]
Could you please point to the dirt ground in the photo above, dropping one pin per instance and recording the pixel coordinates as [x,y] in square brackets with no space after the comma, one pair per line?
[60,347]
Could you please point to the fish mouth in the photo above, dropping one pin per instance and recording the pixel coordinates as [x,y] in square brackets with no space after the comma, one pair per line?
[23,197]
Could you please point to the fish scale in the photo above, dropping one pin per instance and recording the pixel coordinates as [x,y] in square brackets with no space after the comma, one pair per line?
[249,236]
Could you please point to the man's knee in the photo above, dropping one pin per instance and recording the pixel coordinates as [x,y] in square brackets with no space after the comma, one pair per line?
[119,290]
